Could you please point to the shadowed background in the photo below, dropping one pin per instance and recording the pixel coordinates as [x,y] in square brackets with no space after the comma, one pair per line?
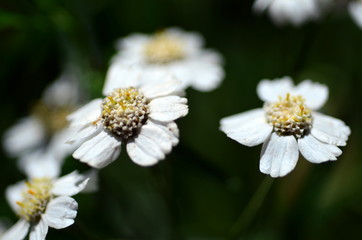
[210,186]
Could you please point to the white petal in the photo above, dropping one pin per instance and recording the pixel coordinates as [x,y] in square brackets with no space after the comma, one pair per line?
[13,194]
[87,114]
[355,9]
[69,184]
[28,133]
[17,232]
[121,76]
[60,212]
[165,85]
[99,151]
[40,164]
[83,133]
[261,5]
[156,138]
[39,231]
[170,128]
[168,108]
[139,156]
[270,90]
[58,146]
[315,94]
[248,128]
[279,155]
[330,130]
[206,76]
[93,183]
[315,151]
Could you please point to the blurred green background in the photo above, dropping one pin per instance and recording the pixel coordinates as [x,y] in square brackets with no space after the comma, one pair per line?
[210,186]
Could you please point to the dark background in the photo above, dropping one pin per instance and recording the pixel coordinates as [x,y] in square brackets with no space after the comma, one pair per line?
[210,186]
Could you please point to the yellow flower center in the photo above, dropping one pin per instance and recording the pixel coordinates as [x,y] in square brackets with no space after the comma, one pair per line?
[35,199]
[289,116]
[54,119]
[124,112]
[164,48]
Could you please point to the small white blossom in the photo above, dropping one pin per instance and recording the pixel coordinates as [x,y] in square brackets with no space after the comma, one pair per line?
[355,9]
[172,50]
[140,116]
[43,201]
[287,124]
[295,12]
[45,127]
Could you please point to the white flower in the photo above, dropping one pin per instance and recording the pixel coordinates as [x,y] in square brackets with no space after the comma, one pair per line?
[295,12]
[140,116]
[43,201]
[355,9]
[172,50]
[45,127]
[288,124]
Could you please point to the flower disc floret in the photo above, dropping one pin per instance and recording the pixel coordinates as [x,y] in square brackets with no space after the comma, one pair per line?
[289,116]
[163,49]
[124,112]
[36,197]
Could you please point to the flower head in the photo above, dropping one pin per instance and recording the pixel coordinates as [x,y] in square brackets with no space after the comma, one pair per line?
[287,124]
[174,51]
[140,116]
[295,12]
[46,126]
[43,201]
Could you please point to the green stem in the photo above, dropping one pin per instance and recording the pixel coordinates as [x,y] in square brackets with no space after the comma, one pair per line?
[248,215]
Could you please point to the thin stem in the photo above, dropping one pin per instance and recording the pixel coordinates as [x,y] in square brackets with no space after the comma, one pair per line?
[248,215]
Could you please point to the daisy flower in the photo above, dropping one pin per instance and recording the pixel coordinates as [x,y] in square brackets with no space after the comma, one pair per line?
[139,116]
[45,127]
[287,124]
[295,12]
[172,50]
[355,9]
[43,201]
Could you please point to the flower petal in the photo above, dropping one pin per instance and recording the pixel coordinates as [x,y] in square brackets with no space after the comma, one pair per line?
[39,231]
[279,155]
[355,10]
[315,151]
[139,156]
[13,194]
[69,184]
[270,90]
[315,94]
[17,232]
[28,133]
[170,128]
[99,151]
[248,128]
[60,212]
[121,76]
[87,114]
[260,5]
[168,108]
[40,164]
[84,133]
[330,130]
[158,84]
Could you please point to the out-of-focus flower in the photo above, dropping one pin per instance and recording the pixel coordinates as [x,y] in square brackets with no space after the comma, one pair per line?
[288,124]
[45,127]
[355,9]
[295,12]
[140,116]
[172,50]
[43,201]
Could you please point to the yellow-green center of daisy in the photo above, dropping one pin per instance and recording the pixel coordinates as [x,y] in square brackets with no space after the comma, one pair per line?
[289,116]
[35,199]
[124,112]
[54,119]
[164,48]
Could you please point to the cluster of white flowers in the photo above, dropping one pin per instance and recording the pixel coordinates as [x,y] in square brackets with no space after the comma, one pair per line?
[143,97]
